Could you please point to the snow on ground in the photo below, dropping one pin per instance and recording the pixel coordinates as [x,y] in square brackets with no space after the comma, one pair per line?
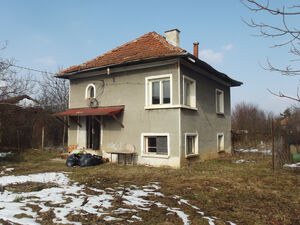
[71,198]
[6,170]
[294,165]
[266,152]
[242,161]
[4,154]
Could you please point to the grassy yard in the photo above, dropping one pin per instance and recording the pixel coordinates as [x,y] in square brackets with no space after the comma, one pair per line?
[244,193]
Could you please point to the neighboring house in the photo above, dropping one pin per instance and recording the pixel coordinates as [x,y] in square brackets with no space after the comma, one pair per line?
[152,97]
[18,115]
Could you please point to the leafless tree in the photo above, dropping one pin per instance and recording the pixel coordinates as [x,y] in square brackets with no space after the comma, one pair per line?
[281,29]
[54,97]
[249,119]
[12,82]
[54,93]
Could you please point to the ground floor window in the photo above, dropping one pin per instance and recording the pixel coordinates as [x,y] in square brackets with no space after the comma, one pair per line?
[155,144]
[220,142]
[191,144]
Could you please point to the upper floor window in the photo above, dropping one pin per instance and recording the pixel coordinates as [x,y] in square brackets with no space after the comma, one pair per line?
[219,101]
[90,91]
[189,92]
[158,90]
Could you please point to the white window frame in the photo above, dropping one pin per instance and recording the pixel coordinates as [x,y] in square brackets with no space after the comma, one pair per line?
[221,102]
[87,94]
[144,152]
[220,146]
[195,135]
[192,91]
[148,91]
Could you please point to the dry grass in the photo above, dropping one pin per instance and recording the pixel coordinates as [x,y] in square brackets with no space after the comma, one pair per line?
[247,193]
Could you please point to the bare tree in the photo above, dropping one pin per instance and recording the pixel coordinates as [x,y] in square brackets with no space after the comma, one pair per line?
[12,82]
[283,30]
[54,97]
[54,93]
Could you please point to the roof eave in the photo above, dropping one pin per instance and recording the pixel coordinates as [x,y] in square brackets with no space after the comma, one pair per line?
[223,76]
[67,75]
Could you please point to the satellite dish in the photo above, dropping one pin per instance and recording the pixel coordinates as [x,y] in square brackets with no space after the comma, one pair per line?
[93,103]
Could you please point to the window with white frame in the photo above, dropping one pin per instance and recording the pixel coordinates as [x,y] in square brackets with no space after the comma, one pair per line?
[189,92]
[219,101]
[90,91]
[158,90]
[191,144]
[220,142]
[155,144]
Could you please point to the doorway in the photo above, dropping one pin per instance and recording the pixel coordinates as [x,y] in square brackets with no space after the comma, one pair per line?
[93,130]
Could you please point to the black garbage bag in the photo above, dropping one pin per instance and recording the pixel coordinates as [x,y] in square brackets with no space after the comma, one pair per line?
[89,160]
[73,160]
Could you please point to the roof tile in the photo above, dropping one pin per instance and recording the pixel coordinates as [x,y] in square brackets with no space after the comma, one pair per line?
[147,46]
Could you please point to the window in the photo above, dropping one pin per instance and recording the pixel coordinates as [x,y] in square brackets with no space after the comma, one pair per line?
[158,90]
[189,92]
[219,101]
[155,144]
[220,142]
[191,144]
[90,91]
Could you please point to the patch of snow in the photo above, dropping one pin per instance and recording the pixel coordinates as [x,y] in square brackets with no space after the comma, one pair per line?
[137,218]
[231,223]
[58,178]
[294,165]
[214,188]
[27,103]
[210,220]
[6,170]
[4,154]
[71,198]
[266,152]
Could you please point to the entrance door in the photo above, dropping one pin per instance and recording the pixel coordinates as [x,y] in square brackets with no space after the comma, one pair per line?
[92,133]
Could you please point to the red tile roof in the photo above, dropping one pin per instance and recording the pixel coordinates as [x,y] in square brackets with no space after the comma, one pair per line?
[147,46]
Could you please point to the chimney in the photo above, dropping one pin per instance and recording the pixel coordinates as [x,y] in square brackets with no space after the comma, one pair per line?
[172,36]
[196,45]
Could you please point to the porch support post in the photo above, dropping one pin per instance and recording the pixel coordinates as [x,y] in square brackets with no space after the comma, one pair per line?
[116,119]
[76,121]
[97,119]
[62,121]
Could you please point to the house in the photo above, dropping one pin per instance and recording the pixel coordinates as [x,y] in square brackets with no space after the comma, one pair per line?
[18,115]
[152,97]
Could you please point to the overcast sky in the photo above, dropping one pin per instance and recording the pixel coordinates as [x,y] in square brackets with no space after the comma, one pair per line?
[47,34]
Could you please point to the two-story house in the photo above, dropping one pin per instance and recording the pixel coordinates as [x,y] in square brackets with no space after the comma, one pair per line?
[152,97]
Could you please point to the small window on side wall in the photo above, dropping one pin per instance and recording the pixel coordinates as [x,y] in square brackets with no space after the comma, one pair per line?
[220,142]
[191,144]
[219,101]
[155,144]
[189,92]
[90,91]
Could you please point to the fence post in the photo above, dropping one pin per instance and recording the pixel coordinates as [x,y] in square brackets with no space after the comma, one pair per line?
[273,148]
[43,137]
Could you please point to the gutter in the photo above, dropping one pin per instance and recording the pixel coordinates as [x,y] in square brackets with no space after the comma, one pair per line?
[196,60]
[67,75]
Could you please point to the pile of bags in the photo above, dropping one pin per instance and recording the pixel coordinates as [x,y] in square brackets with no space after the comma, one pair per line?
[81,159]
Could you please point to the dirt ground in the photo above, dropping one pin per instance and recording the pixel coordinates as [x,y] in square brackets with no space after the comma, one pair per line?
[240,189]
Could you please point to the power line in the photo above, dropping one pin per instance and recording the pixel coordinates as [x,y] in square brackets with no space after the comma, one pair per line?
[27,68]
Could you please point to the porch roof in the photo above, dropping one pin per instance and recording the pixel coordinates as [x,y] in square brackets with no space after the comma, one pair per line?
[109,111]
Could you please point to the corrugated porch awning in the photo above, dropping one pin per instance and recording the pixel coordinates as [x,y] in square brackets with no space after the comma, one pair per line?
[101,111]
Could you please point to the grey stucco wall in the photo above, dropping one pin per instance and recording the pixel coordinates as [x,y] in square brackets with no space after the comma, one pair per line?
[128,89]
[205,121]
